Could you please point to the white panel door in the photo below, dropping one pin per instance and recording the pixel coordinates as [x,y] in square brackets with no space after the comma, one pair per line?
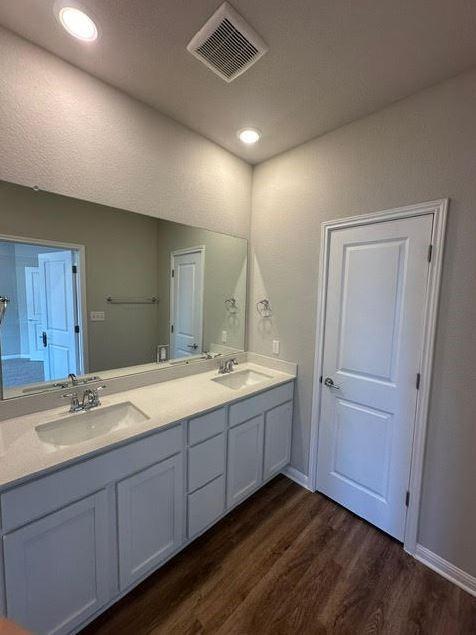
[377,281]
[59,314]
[56,568]
[33,313]
[150,508]
[187,304]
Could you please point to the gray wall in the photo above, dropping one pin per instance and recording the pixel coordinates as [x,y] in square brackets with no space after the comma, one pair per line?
[421,148]
[225,276]
[69,133]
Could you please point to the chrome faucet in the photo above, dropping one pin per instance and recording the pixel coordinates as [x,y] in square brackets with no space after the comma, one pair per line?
[226,366]
[90,399]
[75,406]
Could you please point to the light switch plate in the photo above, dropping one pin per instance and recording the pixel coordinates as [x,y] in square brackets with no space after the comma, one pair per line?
[97,316]
[276,347]
[224,336]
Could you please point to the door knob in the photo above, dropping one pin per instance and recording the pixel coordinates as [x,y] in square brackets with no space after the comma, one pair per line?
[329,382]
[194,346]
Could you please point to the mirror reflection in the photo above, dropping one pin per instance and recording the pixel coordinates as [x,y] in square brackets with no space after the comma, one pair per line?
[87,289]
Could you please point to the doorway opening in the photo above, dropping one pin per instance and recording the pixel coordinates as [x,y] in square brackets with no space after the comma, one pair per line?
[42,332]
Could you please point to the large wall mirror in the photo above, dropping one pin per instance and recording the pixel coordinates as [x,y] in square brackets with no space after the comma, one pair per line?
[87,289]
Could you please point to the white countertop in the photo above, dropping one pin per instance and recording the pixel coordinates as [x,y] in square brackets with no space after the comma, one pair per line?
[23,454]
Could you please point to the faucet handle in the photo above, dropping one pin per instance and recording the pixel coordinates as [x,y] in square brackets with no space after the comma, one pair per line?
[69,395]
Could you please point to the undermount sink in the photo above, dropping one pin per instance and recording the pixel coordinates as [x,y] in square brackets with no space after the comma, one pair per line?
[241,379]
[90,424]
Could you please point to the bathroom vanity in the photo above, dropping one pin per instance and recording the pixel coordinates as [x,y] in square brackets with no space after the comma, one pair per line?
[92,503]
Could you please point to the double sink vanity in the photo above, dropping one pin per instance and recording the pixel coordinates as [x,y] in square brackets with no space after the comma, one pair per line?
[93,502]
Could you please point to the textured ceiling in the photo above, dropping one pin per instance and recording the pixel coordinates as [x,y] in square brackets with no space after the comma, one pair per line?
[329,61]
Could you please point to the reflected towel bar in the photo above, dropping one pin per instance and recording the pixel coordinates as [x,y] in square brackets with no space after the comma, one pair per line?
[152,300]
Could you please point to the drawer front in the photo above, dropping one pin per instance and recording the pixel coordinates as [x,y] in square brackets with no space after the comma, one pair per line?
[254,406]
[206,426]
[206,461]
[205,506]
[48,493]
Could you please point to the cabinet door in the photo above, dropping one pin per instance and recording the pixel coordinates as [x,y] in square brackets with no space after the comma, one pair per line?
[277,438]
[56,568]
[245,459]
[150,508]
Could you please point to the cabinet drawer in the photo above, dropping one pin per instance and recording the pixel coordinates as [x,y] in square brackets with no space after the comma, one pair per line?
[205,505]
[206,426]
[27,502]
[206,461]
[254,406]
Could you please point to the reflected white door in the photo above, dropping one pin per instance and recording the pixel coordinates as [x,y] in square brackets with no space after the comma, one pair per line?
[186,310]
[377,281]
[33,314]
[59,314]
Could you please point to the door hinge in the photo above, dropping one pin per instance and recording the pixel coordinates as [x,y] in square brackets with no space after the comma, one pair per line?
[320,379]
[75,269]
[76,329]
[407,499]
[418,381]
[171,328]
[173,273]
[430,252]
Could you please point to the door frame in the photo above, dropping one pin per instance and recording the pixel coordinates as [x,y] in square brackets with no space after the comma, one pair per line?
[438,209]
[80,299]
[182,252]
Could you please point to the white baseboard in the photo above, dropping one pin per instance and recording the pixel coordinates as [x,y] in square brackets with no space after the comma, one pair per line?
[449,571]
[298,477]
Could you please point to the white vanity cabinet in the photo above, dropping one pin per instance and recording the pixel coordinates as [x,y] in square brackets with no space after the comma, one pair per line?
[65,533]
[150,506]
[245,459]
[259,440]
[78,538]
[277,438]
[56,568]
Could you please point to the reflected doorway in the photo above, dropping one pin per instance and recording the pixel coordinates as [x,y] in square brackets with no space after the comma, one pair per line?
[41,332]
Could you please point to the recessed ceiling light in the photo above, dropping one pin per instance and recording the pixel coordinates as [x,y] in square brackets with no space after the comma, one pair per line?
[78,24]
[249,135]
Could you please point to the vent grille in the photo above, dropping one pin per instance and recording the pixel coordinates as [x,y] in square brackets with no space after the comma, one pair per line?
[227,44]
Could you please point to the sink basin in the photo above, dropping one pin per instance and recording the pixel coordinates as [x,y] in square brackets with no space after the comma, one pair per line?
[84,426]
[241,379]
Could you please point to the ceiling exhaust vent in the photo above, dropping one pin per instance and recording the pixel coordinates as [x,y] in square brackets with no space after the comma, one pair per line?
[227,44]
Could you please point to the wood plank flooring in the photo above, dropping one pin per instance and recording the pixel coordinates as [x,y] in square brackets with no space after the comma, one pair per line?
[291,562]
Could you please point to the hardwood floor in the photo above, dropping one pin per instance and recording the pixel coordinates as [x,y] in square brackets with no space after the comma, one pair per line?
[291,562]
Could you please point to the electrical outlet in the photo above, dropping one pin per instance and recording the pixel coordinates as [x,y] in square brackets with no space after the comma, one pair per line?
[224,336]
[276,347]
